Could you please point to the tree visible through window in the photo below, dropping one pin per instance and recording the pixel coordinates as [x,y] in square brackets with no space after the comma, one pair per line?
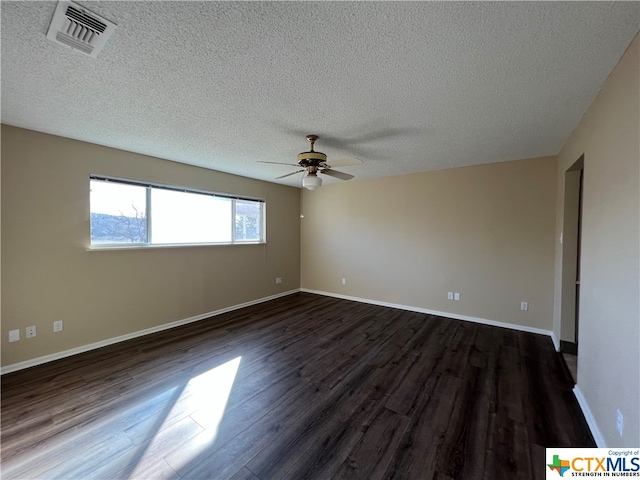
[248,221]
[118,213]
[130,213]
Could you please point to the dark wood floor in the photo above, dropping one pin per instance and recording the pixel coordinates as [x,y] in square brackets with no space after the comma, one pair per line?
[303,387]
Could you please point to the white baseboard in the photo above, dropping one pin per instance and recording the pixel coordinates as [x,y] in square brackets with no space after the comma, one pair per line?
[92,346]
[485,321]
[103,343]
[595,431]
[591,421]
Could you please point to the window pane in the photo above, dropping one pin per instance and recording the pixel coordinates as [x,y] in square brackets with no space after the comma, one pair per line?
[118,213]
[181,217]
[248,221]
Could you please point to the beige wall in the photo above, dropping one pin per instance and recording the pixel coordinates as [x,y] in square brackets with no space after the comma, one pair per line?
[48,275]
[609,324]
[485,231]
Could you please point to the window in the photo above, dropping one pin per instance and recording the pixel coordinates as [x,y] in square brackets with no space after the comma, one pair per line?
[118,213]
[184,217]
[131,213]
[248,220]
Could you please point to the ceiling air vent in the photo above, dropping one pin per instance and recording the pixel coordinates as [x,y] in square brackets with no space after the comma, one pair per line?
[80,29]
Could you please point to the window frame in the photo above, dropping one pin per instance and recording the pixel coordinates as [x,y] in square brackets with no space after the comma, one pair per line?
[149,206]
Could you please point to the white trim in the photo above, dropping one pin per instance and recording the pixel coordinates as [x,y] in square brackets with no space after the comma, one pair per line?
[92,346]
[147,246]
[103,343]
[593,426]
[485,321]
[591,421]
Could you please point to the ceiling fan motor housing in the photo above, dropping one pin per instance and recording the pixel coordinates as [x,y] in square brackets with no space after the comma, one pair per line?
[311,159]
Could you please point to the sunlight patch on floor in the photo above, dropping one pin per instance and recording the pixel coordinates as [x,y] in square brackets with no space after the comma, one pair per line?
[208,395]
[211,390]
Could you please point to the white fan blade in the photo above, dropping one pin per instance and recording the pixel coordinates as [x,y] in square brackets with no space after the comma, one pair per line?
[345,162]
[289,174]
[280,163]
[337,174]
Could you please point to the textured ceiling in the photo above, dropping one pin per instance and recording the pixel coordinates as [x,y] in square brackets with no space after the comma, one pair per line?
[404,86]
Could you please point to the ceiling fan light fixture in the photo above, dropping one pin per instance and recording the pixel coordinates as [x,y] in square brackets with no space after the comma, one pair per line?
[311,163]
[311,181]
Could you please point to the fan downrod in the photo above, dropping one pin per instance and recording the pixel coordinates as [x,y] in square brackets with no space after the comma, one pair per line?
[312,139]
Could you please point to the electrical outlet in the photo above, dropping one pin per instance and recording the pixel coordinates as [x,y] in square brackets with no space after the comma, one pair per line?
[344,281]
[456,296]
[278,280]
[619,421]
[450,295]
[14,335]
[57,326]
[524,306]
[31,331]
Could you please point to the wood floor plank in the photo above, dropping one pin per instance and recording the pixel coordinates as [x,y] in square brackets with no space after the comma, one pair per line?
[138,458]
[158,471]
[284,451]
[371,456]
[225,459]
[64,442]
[244,474]
[101,454]
[459,456]
[419,365]
[417,454]
[301,387]
[238,419]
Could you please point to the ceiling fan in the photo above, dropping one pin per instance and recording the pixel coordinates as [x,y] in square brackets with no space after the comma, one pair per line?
[313,163]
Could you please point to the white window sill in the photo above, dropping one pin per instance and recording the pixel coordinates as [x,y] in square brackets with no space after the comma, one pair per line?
[103,248]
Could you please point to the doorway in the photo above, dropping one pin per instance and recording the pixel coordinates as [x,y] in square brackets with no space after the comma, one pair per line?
[571,236]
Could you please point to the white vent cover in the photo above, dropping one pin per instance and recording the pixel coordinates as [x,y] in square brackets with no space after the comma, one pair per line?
[79,28]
